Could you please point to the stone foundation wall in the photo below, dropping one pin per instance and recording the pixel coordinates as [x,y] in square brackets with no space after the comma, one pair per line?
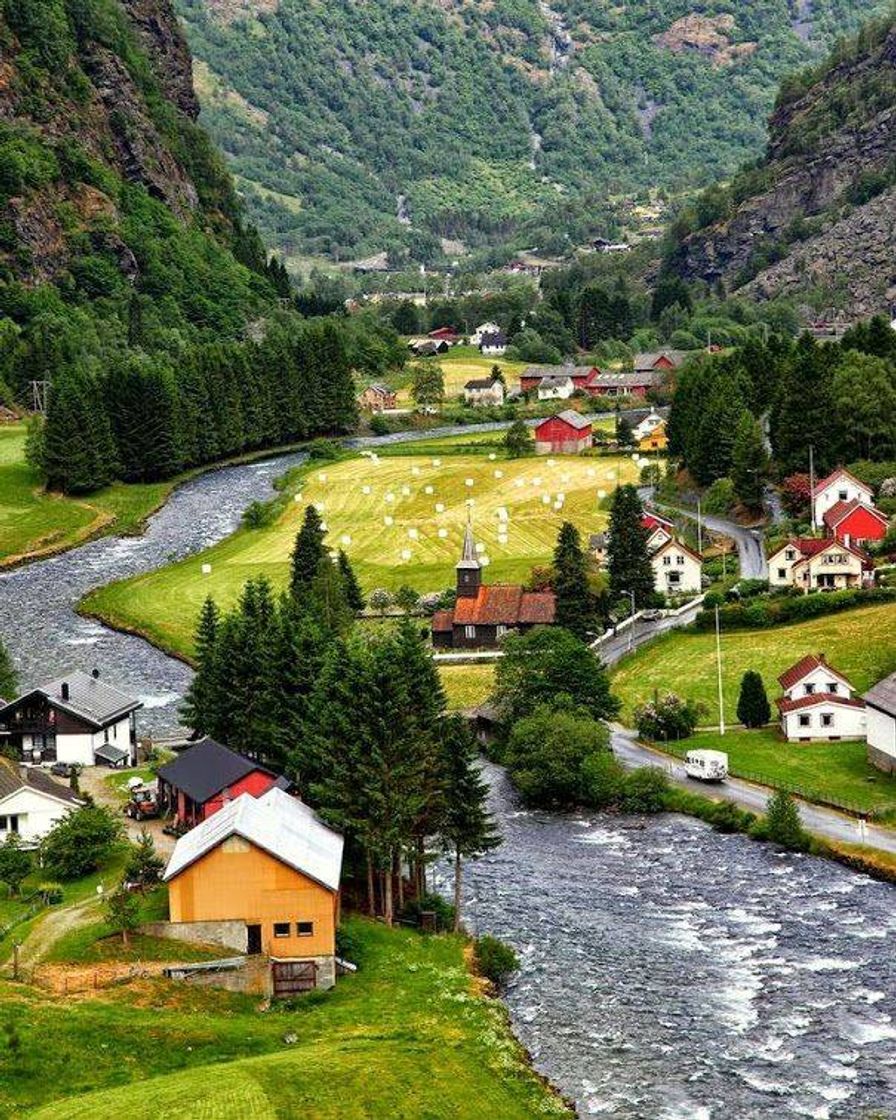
[232,934]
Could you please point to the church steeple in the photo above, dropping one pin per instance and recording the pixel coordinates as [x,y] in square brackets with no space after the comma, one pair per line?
[469,570]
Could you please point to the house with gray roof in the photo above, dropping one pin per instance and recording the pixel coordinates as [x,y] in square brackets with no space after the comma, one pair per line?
[31,802]
[880,711]
[77,718]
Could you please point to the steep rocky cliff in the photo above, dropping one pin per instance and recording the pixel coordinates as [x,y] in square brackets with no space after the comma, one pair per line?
[819,213]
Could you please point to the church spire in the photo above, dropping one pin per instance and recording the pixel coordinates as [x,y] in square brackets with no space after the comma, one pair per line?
[469,570]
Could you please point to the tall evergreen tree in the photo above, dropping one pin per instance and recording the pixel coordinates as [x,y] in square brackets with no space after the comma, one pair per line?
[202,697]
[753,709]
[78,449]
[575,608]
[327,597]
[307,553]
[749,461]
[467,828]
[353,594]
[627,560]
[143,409]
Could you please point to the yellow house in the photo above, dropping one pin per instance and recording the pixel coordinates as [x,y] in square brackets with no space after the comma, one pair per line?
[270,867]
[655,440]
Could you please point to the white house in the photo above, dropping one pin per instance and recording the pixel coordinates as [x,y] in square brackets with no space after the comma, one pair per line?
[818,702]
[76,719]
[659,530]
[643,429]
[839,486]
[493,345]
[880,713]
[556,387]
[483,329]
[484,391]
[677,569]
[815,563]
[31,803]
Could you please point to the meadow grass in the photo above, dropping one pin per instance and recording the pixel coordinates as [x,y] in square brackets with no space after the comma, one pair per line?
[467,686]
[163,605]
[460,366]
[406,1037]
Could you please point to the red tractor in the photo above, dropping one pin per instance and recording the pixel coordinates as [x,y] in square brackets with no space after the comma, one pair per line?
[143,804]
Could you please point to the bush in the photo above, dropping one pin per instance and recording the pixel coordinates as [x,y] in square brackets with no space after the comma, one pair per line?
[720,497]
[603,778]
[644,791]
[442,909]
[80,843]
[495,960]
[51,893]
[546,755]
[379,425]
[668,718]
[348,946]
[324,449]
[258,515]
[783,824]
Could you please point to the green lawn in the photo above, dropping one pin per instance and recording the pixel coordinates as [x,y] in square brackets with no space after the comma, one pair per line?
[860,643]
[403,1039]
[33,522]
[467,686]
[163,605]
[836,773]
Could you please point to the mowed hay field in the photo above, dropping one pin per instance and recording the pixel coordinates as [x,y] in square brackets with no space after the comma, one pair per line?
[457,371]
[860,643]
[386,516]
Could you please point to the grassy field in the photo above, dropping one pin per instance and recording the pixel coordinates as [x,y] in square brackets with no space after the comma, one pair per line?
[33,522]
[467,686]
[458,367]
[406,1038]
[860,643]
[391,527]
[837,773]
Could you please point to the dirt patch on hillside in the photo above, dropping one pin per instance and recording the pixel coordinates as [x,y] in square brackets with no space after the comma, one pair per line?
[706,35]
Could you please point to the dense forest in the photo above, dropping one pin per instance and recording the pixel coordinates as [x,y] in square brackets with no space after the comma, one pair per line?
[357,128]
[129,280]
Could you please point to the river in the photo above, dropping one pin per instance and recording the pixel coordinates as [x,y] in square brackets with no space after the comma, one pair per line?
[668,972]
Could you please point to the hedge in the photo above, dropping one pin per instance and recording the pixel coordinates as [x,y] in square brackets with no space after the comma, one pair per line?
[758,614]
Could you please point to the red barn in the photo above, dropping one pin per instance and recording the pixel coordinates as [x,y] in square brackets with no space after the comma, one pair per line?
[444,334]
[567,433]
[855,523]
[583,377]
[206,777]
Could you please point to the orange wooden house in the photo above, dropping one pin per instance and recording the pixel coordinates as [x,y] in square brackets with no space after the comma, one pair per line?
[270,865]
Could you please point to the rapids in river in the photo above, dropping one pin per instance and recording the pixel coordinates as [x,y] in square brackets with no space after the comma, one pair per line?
[668,972]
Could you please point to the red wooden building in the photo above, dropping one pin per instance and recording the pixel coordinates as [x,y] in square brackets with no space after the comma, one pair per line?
[582,377]
[567,433]
[855,523]
[444,334]
[205,777]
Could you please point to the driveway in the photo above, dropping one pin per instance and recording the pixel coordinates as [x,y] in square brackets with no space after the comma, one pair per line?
[827,823]
[93,781]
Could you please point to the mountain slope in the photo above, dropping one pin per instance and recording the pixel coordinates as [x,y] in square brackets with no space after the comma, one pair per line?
[485,120]
[815,217]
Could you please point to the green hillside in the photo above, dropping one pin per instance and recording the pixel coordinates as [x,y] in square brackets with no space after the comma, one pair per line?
[485,122]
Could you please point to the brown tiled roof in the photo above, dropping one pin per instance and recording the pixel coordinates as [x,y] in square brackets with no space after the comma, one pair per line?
[12,780]
[442,622]
[808,547]
[538,607]
[803,667]
[786,705]
[504,604]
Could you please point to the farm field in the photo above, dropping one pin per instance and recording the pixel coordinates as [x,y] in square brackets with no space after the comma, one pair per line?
[33,522]
[391,526]
[860,643]
[462,368]
[405,1037]
[836,773]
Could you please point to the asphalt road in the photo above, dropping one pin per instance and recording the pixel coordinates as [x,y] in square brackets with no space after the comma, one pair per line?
[641,632]
[827,823]
[750,542]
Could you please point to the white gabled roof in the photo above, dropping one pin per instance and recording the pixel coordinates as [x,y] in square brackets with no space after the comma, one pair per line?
[279,824]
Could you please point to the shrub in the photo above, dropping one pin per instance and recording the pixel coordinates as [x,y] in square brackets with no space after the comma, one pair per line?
[644,791]
[379,425]
[326,449]
[783,824]
[379,600]
[726,817]
[603,778]
[258,515]
[546,754]
[15,863]
[442,909]
[670,717]
[495,960]
[348,946]
[720,497]
[51,893]
[80,843]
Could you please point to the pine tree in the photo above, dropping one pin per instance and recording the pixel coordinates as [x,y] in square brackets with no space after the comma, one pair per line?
[78,450]
[143,409]
[144,866]
[749,461]
[467,828]
[353,594]
[326,598]
[307,553]
[783,824]
[9,685]
[201,699]
[753,709]
[298,645]
[628,562]
[575,609]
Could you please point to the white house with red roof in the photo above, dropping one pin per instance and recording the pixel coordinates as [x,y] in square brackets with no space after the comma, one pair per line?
[677,569]
[839,486]
[659,530]
[819,702]
[818,564]
[855,522]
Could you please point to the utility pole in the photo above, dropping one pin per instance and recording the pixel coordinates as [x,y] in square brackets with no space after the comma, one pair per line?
[812,487]
[631,623]
[719,671]
[699,528]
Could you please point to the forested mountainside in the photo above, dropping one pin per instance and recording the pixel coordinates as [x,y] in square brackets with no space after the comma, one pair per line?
[357,127]
[816,216]
[128,278]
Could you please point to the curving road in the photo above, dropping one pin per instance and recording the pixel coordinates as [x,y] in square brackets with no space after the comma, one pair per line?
[750,542]
[824,822]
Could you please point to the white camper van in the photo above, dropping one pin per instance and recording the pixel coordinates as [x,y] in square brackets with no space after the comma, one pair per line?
[706,766]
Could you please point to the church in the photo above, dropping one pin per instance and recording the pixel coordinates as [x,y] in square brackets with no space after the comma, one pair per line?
[484,613]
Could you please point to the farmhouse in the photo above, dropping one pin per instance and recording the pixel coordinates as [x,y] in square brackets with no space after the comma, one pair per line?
[567,433]
[581,376]
[855,522]
[655,440]
[482,614]
[553,388]
[880,711]
[427,347]
[677,569]
[636,384]
[482,330]
[31,802]
[814,563]
[659,361]
[377,397]
[494,344]
[484,391]
[205,777]
[839,486]
[818,703]
[270,867]
[77,719]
